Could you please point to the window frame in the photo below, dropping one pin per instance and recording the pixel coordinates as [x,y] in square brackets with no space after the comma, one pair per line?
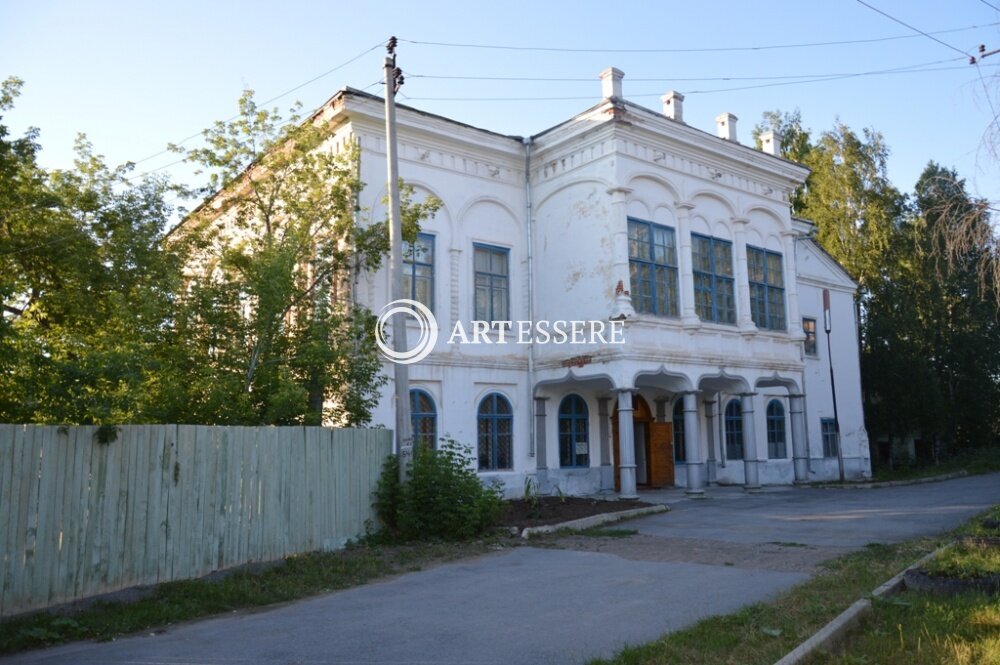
[578,418]
[493,278]
[775,426]
[677,419]
[765,289]
[493,418]
[714,279]
[731,433]
[812,337]
[830,437]
[416,415]
[670,270]
[411,265]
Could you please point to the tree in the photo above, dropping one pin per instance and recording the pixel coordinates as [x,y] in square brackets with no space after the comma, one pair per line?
[84,286]
[267,329]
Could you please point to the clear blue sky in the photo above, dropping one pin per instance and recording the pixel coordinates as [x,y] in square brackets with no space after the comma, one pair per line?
[135,76]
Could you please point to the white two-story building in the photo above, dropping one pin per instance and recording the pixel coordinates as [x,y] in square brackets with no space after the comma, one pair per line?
[624,214]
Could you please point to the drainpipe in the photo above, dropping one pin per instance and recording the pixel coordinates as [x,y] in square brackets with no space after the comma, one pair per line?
[531,293]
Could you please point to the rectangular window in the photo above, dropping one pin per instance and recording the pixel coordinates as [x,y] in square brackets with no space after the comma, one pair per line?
[831,439]
[767,288]
[809,328]
[418,270]
[652,253]
[492,302]
[714,291]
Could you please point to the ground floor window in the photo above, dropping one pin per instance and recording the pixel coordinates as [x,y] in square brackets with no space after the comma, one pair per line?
[680,454]
[574,434]
[734,429]
[423,415]
[776,448]
[495,420]
[831,440]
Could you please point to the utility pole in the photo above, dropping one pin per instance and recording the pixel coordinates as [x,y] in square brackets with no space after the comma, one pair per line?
[827,324]
[404,426]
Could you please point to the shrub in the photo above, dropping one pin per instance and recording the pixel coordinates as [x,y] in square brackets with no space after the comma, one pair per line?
[443,498]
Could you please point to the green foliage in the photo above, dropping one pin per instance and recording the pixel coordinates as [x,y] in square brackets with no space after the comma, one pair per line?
[442,497]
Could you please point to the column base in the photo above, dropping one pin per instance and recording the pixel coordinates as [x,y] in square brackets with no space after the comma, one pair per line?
[753,489]
[695,494]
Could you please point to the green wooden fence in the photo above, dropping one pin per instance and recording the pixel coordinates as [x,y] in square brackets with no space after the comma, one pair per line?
[168,502]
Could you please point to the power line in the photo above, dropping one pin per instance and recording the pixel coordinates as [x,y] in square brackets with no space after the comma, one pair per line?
[991,6]
[925,34]
[711,49]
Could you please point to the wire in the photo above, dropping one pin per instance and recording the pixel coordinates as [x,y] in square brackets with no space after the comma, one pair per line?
[986,91]
[692,50]
[990,5]
[925,34]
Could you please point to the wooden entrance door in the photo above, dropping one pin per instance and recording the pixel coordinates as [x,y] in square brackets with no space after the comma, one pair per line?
[656,444]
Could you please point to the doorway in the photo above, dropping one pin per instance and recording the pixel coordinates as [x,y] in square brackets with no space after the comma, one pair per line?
[653,445]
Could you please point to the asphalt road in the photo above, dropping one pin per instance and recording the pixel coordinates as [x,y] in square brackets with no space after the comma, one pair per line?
[537,605]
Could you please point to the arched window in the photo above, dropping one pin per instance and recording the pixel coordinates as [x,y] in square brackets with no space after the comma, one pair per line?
[680,453]
[776,448]
[423,415]
[496,425]
[574,432]
[734,429]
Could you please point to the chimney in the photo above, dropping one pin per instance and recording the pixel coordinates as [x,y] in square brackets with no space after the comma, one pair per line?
[726,124]
[770,143]
[611,83]
[673,105]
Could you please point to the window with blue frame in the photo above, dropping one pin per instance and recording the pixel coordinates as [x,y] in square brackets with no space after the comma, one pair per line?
[574,432]
[767,288]
[492,277]
[734,429]
[423,415]
[652,253]
[418,269]
[495,420]
[831,439]
[714,289]
[776,448]
[680,453]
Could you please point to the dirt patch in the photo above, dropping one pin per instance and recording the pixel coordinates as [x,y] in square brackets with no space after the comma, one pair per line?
[553,510]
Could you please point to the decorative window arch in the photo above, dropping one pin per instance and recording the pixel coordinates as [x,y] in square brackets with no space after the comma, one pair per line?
[776,447]
[734,429]
[680,452]
[574,432]
[495,421]
[423,415]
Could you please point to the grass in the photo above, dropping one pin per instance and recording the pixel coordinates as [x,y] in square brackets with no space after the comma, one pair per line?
[976,461]
[298,577]
[966,561]
[765,632]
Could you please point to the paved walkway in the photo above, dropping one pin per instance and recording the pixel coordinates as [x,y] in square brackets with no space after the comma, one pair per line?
[535,605]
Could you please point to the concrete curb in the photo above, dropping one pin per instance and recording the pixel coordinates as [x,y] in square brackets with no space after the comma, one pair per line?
[891,483]
[593,520]
[835,631]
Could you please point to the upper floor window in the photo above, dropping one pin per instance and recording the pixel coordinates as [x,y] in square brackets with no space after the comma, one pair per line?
[680,453]
[776,448]
[418,270]
[831,439]
[492,283]
[423,415]
[574,435]
[714,292]
[734,429]
[809,328]
[767,288]
[652,254]
[495,424]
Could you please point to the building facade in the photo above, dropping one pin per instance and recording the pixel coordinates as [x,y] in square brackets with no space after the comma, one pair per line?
[630,215]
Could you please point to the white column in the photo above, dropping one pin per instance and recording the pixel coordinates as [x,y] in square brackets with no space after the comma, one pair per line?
[792,287]
[626,445]
[749,443]
[800,446]
[710,474]
[604,430]
[692,446]
[743,317]
[689,316]
[622,308]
